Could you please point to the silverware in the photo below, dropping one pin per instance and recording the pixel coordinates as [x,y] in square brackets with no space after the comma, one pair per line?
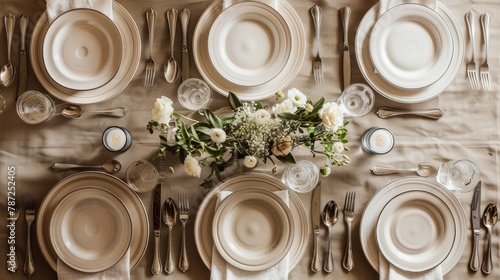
[424,169]
[350,198]
[315,218]
[484,70]
[150,63]
[184,17]
[8,71]
[490,218]
[345,14]
[470,17]
[476,225]
[183,217]
[386,112]
[111,166]
[169,216]
[29,265]
[23,63]
[330,217]
[171,67]
[317,62]
[156,266]
[75,111]
[13,216]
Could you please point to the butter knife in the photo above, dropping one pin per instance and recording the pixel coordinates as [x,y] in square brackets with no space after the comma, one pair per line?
[476,224]
[316,220]
[184,18]
[345,14]
[156,266]
[23,63]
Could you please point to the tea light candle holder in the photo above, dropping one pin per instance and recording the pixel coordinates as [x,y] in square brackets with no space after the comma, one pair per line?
[116,139]
[377,140]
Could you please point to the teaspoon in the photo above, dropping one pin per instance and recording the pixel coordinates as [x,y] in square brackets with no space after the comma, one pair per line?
[8,71]
[329,217]
[424,169]
[169,217]
[490,218]
[111,166]
[74,112]
[171,68]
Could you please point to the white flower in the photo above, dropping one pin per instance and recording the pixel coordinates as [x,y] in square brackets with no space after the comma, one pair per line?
[218,135]
[279,95]
[284,107]
[325,171]
[262,116]
[332,116]
[250,161]
[309,108]
[192,167]
[283,147]
[162,110]
[297,97]
[338,147]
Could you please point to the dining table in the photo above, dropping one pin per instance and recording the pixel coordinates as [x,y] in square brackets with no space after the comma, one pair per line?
[469,129]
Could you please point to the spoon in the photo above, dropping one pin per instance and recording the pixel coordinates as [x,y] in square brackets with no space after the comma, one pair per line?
[74,112]
[171,68]
[424,169]
[329,217]
[490,218]
[111,166]
[8,71]
[169,217]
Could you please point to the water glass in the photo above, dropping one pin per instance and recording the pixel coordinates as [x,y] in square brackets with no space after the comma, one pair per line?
[35,107]
[301,177]
[459,175]
[194,94]
[357,100]
[142,176]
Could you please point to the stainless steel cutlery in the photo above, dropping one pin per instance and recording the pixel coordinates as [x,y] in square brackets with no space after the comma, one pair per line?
[316,221]
[479,77]
[317,62]
[151,15]
[29,264]
[184,18]
[183,217]
[350,198]
[156,266]
[476,225]
[484,70]
[345,14]
[386,112]
[23,62]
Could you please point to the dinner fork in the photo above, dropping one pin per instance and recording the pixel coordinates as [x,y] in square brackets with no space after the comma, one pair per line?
[317,62]
[13,216]
[183,217]
[484,70]
[29,265]
[348,261]
[471,66]
[150,63]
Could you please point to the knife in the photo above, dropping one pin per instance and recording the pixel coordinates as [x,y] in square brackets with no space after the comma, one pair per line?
[316,220]
[184,17]
[23,63]
[156,266]
[345,14]
[476,224]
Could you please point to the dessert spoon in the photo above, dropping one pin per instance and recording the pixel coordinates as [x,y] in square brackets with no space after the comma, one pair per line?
[74,112]
[424,169]
[8,71]
[171,67]
[169,217]
[329,217]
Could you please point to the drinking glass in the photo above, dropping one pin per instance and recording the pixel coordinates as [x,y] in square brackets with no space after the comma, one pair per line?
[459,175]
[142,176]
[357,100]
[194,94]
[301,176]
[35,107]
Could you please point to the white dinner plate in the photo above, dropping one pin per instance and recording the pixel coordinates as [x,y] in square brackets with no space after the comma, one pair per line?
[90,229]
[130,61]
[253,229]
[371,213]
[249,43]
[392,92]
[204,220]
[411,46]
[259,92]
[82,49]
[416,231]
[138,214]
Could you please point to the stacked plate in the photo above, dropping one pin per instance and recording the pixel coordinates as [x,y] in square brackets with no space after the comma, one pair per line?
[411,52]
[253,49]
[415,224]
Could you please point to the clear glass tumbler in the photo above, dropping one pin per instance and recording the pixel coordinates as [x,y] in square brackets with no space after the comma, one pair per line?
[194,94]
[357,100]
[142,176]
[35,107]
[301,177]
[459,175]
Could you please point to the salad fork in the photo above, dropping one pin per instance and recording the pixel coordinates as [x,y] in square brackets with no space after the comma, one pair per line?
[150,63]
[183,217]
[29,265]
[348,261]
[471,66]
[317,62]
[484,70]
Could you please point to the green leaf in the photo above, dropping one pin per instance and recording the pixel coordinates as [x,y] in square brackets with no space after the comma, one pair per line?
[203,129]
[318,105]
[289,158]
[213,119]
[234,101]
[182,154]
[288,116]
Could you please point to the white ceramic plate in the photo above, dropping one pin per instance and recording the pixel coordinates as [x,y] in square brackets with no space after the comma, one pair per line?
[392,92]
[411,46]
[416,231]
[253,229]
[131,57]
[90,230]
[371,213]
[138,214]
[249,43]
[259,92]
[82,49]
[204,220]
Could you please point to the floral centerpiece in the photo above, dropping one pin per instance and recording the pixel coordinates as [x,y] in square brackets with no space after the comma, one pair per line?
[251,134]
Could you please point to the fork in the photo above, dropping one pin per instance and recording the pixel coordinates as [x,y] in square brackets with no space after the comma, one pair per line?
[13,216]
[29,265]
[348,261]
[484,70]
[150,63]
[183,217]
[471,66]
[317,62]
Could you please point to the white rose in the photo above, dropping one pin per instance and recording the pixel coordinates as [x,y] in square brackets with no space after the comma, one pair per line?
[332,116]
[297,97]
[192,167]
[218,135]
[262,116]
[283,146]
[338,147]
[162,110]
[250,161]
[284,107]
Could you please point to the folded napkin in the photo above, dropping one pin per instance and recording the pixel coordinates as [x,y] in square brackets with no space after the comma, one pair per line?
[120,271]
[221,270]
[57,7]
[227,3]
[389,272]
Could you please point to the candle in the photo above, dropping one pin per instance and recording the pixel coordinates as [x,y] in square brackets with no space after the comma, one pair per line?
[377,140]
[116,139]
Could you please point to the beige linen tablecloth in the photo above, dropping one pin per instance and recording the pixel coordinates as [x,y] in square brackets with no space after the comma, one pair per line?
[469,129]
